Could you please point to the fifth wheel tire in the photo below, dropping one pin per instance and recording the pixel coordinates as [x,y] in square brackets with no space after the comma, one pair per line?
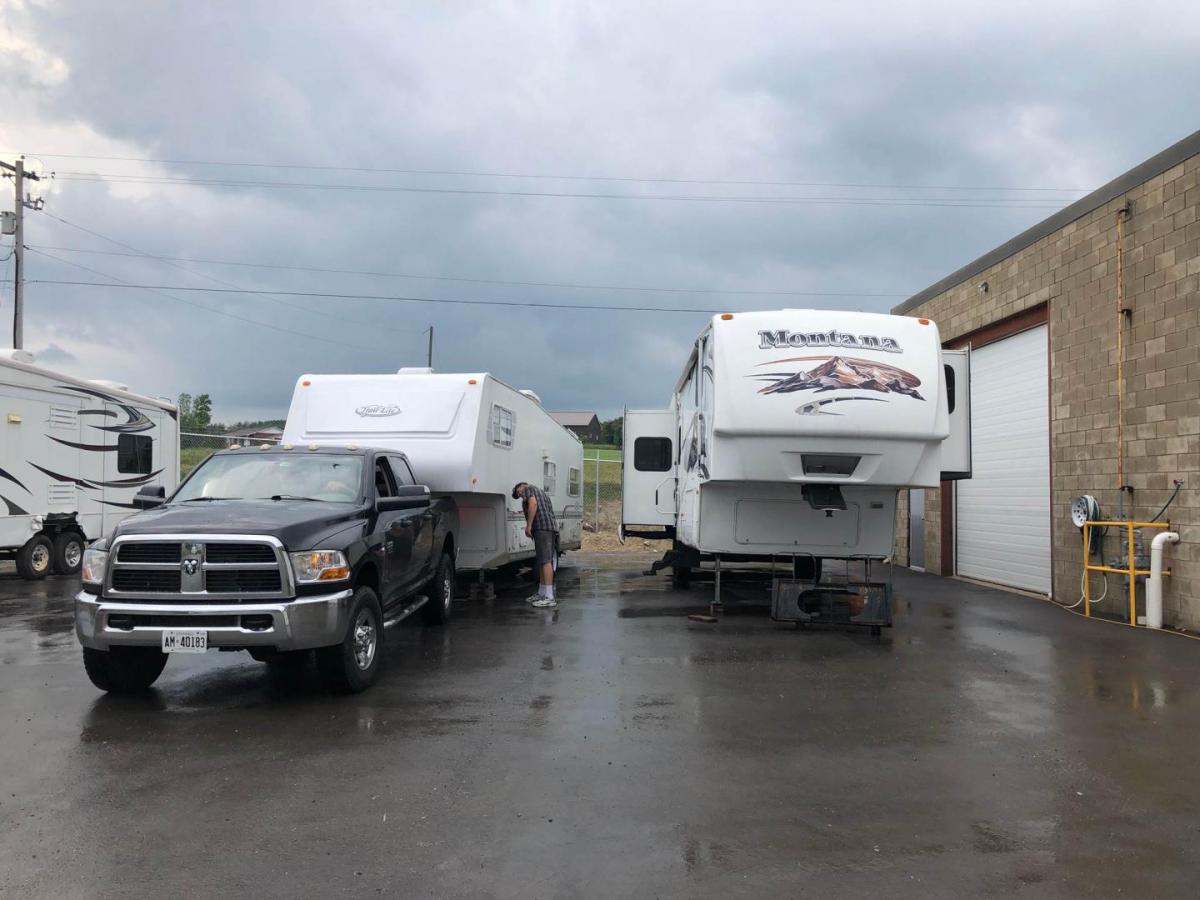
[353,665]
[436,610]
[124,670]
[68,553]
[35,559]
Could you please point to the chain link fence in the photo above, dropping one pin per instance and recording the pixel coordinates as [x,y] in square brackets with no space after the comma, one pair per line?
[195,448]
[601,491]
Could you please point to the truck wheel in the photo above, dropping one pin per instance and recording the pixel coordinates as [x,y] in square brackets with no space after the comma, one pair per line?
[68,553]
[124,670]
[436,610]
[35,559]
[353,665]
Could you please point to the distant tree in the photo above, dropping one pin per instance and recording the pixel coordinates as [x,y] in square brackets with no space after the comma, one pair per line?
[195,413]
[613,431]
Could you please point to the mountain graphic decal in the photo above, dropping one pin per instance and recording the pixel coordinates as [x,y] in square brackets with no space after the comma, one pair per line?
[845,373]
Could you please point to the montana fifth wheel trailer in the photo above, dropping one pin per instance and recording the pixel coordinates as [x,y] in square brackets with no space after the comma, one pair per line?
[73,455]
[789,435]
[470,436]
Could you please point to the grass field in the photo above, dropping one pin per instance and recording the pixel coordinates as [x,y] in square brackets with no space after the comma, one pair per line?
[591,451]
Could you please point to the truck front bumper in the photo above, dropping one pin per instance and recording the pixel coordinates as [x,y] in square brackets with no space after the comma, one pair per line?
[300,624]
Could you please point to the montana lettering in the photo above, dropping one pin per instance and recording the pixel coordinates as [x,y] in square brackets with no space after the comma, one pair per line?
[773,340]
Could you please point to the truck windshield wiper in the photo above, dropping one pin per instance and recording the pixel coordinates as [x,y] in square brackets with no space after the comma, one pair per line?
[289,497]
[205,499]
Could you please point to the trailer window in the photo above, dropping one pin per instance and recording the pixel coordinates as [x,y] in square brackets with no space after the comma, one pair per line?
[950,386]
[652,454]
[574,487]
[502,426]
[549,477]
[135,454]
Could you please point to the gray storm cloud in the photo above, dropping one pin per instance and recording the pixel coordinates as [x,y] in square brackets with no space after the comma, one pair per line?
[1017,96]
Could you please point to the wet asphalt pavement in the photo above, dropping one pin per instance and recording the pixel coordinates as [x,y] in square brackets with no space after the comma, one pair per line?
[988,745]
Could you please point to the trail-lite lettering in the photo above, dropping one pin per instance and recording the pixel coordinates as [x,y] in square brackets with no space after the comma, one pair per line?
[773,340]
[377,411]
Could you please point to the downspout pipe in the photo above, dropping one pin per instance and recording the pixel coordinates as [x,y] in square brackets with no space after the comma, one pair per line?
[1154,585]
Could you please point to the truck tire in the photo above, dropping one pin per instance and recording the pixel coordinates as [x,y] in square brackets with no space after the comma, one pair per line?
[353,665]
[36,558]
[436,610]
[68,553]
[124,670]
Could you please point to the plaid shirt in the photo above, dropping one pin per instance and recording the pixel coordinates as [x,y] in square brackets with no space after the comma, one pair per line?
[543,519]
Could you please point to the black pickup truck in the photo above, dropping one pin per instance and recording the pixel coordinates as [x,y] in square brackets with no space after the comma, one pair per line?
[277,551]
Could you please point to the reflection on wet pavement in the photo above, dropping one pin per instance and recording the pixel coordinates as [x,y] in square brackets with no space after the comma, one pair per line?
[987,745]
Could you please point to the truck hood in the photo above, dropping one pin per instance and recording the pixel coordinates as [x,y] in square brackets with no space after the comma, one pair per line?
[298,524]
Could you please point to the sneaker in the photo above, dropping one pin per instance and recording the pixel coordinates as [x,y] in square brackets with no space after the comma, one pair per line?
[544,603]
[533,598]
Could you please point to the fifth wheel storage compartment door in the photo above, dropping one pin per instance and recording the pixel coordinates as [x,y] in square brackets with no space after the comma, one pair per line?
[1003,510]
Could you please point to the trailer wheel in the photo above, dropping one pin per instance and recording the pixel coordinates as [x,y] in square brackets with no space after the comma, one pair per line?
[68,553]
[35,559]
[681,577]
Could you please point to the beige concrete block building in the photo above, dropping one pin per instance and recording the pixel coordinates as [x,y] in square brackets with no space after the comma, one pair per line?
[1085,339]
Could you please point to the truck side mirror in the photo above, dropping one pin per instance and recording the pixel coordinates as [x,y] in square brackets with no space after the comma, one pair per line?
[150,496]
[408,496]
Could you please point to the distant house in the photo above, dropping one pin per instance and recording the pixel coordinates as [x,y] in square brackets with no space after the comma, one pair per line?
[257,433]
[584,424]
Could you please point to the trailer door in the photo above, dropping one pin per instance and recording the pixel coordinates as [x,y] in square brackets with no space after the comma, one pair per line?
[648,469]
[956,449]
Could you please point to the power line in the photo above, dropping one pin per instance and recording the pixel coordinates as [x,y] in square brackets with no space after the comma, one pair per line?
[973,203]
[162,293]
[466,173]
[137,253]
[549,284]
[330,295]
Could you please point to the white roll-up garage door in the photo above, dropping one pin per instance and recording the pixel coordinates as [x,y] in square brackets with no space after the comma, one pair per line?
[1003,509]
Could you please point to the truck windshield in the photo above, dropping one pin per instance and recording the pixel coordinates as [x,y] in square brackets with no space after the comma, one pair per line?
[275,476]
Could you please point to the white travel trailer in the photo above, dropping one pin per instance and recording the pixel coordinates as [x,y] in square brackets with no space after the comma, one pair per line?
[73,455]
[469,436]
[789,435]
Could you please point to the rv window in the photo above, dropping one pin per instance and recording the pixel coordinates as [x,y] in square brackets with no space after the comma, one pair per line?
[549,477]
[652,454]
[385,485]
[402,470]
[502,426]
[135,454]
[573,482]
[950,386]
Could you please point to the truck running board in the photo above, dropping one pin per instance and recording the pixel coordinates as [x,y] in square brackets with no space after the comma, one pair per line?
[416,604]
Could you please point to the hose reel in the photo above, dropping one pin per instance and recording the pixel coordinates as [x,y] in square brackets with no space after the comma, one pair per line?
[1086,509]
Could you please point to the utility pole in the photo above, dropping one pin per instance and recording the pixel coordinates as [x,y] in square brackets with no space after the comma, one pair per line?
[19,175]
[429,358]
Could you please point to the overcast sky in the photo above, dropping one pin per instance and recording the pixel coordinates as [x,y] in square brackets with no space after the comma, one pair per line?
[827,97]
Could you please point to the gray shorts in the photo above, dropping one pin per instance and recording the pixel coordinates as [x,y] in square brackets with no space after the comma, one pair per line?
[544,546]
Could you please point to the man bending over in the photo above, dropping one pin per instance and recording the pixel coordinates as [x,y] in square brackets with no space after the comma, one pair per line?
[542,526]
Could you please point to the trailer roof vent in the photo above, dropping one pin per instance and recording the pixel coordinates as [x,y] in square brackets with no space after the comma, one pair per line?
[21,356]
[532,396]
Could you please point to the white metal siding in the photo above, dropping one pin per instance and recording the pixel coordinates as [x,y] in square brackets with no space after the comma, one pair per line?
[1003,510]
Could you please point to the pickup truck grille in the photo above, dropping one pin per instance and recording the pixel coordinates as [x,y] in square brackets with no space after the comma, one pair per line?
[151,552]
[146,580]
[198,569]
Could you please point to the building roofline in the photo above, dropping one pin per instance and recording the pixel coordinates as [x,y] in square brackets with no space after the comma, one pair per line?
[1155,165]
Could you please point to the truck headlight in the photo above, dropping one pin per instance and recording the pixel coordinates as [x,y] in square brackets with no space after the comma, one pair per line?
[95,562]
[320,565]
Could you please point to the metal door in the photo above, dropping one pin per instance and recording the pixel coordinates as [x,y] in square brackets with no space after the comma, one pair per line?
[648,468]
[916,528]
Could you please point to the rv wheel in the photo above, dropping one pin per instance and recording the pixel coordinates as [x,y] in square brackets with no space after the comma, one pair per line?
[35,558]
[68,553]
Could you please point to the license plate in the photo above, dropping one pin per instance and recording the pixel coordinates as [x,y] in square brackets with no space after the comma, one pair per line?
[174,641]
